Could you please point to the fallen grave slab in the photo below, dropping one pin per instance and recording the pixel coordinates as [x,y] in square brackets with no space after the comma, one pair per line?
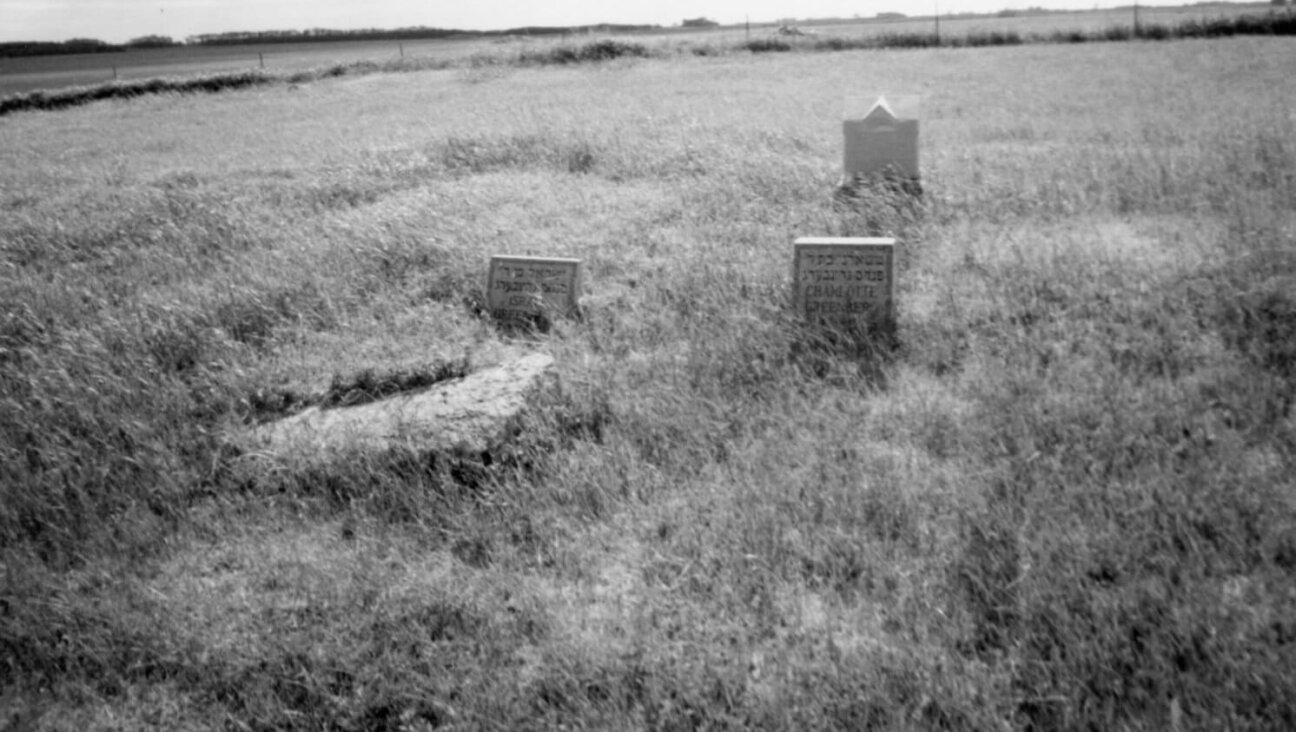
[465,416]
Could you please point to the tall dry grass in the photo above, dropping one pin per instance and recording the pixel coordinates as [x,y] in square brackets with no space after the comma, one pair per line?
[1063,501]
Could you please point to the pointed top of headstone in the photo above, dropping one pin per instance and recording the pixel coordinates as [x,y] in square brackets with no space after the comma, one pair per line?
[880,110]
[884,108]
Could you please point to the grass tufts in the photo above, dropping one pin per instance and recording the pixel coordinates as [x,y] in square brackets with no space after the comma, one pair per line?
[592,52]
[482,154]
[370,385]
[767,45]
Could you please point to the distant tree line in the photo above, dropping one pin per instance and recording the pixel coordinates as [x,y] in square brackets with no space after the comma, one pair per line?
[320,35]
[16,49]
[539,30]
[312,35]
[151,42]
[895,16]
[323,35]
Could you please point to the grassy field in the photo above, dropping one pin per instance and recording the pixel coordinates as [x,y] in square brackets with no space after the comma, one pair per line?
[1026,24]
[21,75]
[1065,501]
[18,75]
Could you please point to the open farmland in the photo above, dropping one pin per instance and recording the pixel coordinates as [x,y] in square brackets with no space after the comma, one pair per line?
[18,75]
[1026,24]
[1065,501]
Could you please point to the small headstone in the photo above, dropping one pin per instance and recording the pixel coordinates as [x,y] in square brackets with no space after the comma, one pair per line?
[845,283]
[527,289]
[882,142]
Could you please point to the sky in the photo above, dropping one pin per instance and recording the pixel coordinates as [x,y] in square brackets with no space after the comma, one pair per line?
[117,21]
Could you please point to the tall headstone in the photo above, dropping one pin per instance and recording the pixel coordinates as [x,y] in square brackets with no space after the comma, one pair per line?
[845,283]
[527,289]
[882,142]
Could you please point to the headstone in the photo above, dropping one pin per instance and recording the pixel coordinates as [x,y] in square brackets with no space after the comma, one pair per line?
[882,141]
[532,288]
[845,283]
[466,417]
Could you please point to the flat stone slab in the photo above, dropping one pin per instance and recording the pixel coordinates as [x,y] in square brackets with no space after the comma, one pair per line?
[465,416]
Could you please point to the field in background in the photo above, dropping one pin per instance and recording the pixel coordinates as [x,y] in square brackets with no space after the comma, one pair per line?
[1084,20]
[1065,502]
[1025,25]
[20,75]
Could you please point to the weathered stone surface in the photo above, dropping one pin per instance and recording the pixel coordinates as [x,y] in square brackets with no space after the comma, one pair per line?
[464,416]
[525,287]
[883,143]
[845,281]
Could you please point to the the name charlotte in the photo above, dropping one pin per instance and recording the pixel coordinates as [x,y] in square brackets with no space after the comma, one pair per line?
[843,283]
[528,278]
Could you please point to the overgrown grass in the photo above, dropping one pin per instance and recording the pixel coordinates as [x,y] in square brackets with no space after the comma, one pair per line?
[594,51]
[1063,501]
